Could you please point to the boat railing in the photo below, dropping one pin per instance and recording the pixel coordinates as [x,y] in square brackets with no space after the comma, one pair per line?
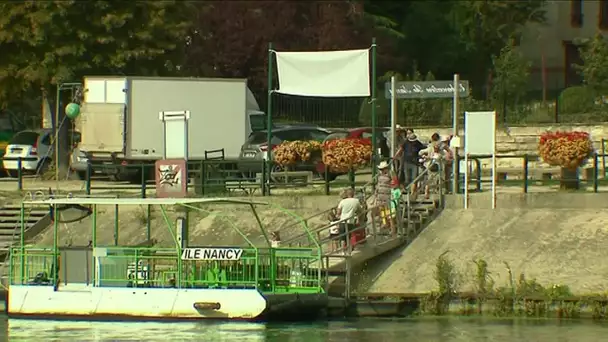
[30,264]
[266,269]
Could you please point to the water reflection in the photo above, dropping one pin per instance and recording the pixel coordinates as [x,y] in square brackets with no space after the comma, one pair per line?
[376,330]
[119,331]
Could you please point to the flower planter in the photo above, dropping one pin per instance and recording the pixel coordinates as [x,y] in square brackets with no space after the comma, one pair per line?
[569,179]
[569,151]
[290,153]
[343,155]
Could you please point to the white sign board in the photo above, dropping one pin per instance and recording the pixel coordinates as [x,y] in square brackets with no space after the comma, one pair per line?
[479,132]
[479,139]
[228,254]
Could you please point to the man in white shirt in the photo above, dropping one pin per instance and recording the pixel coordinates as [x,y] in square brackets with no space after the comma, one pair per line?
[348,209]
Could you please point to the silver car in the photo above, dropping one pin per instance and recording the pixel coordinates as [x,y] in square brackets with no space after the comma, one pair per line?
[256,148]
[79,162]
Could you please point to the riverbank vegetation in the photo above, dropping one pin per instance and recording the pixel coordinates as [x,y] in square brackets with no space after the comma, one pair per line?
[520,296]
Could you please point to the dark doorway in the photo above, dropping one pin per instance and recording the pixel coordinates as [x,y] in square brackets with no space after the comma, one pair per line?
[572,56]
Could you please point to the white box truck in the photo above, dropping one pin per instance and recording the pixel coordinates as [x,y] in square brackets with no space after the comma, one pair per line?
[138,120]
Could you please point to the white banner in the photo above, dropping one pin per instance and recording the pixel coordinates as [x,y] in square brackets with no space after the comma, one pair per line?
[212,254]
[324,73]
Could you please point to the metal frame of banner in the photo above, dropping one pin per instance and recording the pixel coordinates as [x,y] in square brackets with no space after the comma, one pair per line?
[373,85]
[393,96]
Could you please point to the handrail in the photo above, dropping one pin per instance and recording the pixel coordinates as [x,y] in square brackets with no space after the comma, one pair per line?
[421,176]
[361,188]
[317,230]
[364,227]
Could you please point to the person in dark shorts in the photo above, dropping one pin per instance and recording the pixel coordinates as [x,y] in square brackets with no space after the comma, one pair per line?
[408,154]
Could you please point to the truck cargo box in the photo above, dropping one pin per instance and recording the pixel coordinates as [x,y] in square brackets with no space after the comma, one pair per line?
[123,115]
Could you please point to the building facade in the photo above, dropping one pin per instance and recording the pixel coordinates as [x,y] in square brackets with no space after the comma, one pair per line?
[552,47]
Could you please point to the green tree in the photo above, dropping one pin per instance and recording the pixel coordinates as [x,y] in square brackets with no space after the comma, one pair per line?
[462,36]
[511,72]
[45,43]
[430,39]
[222,46]
[595,63]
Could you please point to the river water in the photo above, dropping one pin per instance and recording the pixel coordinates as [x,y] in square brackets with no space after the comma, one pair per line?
[378,330]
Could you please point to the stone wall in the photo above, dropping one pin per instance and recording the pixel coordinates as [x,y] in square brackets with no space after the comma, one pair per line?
[521,140]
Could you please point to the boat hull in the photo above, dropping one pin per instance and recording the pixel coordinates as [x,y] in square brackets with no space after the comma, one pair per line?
[134,303]
[295,306]
[159,304]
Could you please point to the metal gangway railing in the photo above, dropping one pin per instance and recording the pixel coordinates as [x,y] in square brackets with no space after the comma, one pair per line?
[371,219]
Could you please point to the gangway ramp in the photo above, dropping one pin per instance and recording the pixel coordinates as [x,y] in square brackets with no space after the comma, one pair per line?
[342,265]
[343,268]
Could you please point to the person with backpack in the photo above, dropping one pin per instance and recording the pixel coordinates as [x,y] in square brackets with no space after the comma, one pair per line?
[409,156]
[434,156]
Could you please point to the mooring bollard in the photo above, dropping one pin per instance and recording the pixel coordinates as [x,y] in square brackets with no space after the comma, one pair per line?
[88,179]
[526,171]
[19,174]
[143,182]
[326,173]
[595,173]
[351,178]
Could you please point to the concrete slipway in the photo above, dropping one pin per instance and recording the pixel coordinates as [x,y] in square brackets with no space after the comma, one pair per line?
[556,238]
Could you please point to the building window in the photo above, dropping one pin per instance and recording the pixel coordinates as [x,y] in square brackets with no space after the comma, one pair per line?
[572,56]
[603,14]
[576,13]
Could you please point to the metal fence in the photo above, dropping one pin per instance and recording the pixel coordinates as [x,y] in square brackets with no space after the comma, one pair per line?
[590,178]
[224,177]
[220,178]
[534,108]
[268,269]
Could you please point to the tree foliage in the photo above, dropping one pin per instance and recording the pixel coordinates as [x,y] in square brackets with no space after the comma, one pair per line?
[595,63]
[45,43]
[230,38]
[510,74]
[56,41]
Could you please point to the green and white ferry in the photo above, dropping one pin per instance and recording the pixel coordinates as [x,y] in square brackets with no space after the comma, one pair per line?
[150,283]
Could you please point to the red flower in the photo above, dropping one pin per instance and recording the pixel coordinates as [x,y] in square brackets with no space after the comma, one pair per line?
[565,149]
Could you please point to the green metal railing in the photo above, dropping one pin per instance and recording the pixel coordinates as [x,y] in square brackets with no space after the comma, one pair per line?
[282,270]
[25,264]
[526,176]
[213,177]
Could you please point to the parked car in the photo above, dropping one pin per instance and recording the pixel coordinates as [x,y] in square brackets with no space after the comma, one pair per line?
[297,124]
[257,147]
[79,162]
[34,149]
[357,133]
